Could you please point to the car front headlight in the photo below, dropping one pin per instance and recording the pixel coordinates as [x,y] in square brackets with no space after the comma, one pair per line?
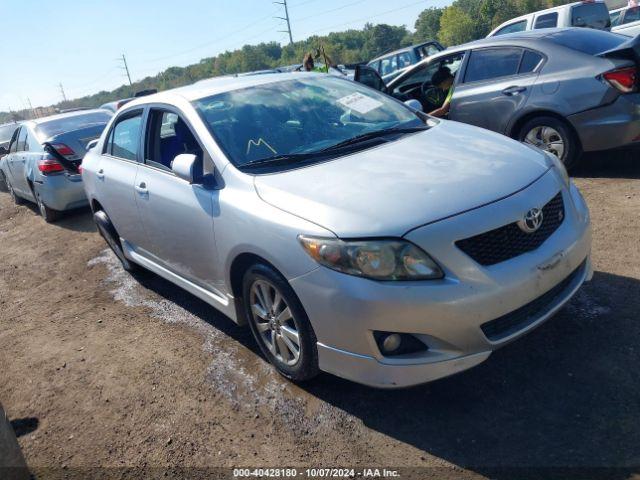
[386,260]
[556,163]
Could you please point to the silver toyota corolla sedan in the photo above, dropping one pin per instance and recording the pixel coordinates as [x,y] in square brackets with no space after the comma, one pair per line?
[43,159]
[352,234]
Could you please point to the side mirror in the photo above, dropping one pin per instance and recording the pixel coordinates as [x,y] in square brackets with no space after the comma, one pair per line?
[184,166]
[414,105]
[92,144]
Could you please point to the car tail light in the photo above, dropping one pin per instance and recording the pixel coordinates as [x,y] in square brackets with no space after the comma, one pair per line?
[63,149]
[49,165]
[623,79]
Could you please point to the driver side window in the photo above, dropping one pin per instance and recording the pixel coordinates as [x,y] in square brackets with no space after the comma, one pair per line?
[169,136]
[424,74]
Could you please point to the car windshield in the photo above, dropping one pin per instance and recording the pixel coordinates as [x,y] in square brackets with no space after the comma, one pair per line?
[69,124]
[591,42]
[301,116]
[6,132]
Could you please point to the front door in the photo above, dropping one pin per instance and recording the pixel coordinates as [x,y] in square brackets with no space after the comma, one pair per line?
[497,83]
[116,174]
[19,160]
[179,218]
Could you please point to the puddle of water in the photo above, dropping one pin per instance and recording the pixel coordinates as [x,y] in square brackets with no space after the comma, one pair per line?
[248,383]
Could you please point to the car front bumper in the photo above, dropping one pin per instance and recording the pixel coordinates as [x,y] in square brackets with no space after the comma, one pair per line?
[448,315]
[611,126]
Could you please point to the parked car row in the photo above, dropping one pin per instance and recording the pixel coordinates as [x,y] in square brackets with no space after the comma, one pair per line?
[353,233]
[566,91]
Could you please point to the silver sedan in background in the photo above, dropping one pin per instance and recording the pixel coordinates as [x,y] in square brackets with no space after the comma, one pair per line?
[43,160]
[353,235]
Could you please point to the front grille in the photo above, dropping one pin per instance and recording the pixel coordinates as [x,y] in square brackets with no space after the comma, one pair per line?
[510,241]
[513,322]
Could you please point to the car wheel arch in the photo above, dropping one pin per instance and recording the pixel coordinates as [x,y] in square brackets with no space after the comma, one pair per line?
[237,269]
[523,119]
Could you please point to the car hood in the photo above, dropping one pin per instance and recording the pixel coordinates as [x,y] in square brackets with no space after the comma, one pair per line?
[398,186]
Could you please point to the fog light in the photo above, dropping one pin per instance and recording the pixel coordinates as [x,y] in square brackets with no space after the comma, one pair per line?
[391,343]
[394,344]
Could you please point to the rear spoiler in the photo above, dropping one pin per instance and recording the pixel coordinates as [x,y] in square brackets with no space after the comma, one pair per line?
[629,50]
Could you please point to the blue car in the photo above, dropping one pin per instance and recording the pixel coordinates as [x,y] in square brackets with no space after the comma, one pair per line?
[43,160]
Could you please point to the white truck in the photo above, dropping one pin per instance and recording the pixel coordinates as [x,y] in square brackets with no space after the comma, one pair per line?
[587,14]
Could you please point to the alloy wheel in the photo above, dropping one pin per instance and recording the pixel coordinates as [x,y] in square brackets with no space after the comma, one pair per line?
[274,322]
[548,139]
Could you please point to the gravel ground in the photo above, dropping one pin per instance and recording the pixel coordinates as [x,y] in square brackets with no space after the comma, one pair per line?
[105,374]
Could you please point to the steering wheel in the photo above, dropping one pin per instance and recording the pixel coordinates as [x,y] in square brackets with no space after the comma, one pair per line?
[433,95]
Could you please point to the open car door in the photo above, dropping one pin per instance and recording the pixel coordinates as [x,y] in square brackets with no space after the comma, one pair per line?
[369,77]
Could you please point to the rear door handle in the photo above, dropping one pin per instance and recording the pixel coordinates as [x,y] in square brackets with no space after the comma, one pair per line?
[515,90]
[142,188]
[100,174]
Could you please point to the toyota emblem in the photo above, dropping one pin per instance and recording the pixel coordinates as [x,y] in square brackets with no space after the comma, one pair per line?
[532,221]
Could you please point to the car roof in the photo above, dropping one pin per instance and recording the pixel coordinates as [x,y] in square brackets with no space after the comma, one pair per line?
[548,10]
[217,85]
[60,116]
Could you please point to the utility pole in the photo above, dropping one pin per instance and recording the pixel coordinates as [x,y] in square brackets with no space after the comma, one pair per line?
[33,113]
[286,19]
[126,68]
[64,97]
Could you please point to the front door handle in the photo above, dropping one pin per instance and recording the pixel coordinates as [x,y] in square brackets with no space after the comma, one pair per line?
[100,174]
[141,188]
[515,90]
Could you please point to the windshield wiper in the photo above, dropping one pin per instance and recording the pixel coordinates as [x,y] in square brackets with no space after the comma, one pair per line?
[365,137]
[280,160]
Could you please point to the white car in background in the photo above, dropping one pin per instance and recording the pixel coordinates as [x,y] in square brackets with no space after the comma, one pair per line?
[585,14]
[626,21]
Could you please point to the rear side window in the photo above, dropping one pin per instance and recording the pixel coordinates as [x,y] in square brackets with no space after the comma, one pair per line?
[69,124]
[492,63]
[404,60]
[549,20]
[530,61]
[14,142]
[512,28]
[631,15]
[587,41]
[375,66]
[388,65]
[22,140]
[591,15]
[124,138]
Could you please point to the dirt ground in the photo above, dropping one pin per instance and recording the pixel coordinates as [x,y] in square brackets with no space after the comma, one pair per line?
[108,375]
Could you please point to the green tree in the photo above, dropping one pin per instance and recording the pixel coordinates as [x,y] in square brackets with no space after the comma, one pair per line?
[456,27]
[428,25]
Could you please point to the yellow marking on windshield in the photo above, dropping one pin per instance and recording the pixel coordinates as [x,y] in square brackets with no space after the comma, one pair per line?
[260,142]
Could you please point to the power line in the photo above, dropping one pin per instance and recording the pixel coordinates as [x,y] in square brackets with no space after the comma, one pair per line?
[286,18]
[330,11]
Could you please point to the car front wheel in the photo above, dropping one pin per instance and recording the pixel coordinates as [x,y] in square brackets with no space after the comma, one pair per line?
[108,233]
[552,135]
[14,196]
[279,323]
[3,182]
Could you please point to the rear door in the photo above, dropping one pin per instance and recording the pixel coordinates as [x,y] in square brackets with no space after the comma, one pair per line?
[19,182]
[178,217]
[116,173]
[11,156]
[497,83]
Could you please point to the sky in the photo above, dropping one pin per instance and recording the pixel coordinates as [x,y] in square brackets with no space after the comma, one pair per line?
[79,43]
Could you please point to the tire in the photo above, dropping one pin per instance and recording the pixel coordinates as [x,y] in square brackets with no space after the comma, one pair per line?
[14,196]
[109,234]
[49,214]
[3,182]
[552,135]
[276,334]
